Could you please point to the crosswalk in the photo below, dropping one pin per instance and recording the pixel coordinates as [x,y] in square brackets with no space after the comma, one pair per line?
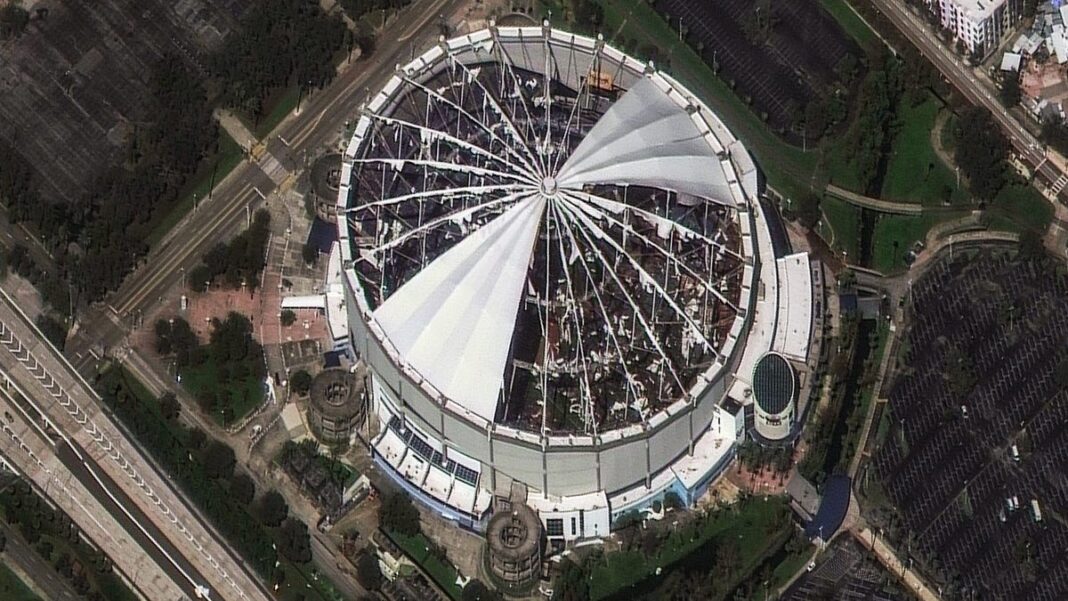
[1059,185]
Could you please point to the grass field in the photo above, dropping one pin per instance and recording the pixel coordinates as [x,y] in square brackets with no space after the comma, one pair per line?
[245,394]
[850,22]
[895,234]
[844,221]
[279,105]
[914,172]
[212,171]
[14,589]
[755,526]
[1019,208]
[442,573]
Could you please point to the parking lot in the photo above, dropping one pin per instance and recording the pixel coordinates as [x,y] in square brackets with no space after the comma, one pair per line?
[978,428]
[846,572]
[780,70]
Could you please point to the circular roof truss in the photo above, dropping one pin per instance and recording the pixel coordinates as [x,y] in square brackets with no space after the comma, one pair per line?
[594,227]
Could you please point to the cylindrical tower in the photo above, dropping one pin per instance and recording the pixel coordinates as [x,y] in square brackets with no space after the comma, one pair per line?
[774,392]
[514,541]
[336,405]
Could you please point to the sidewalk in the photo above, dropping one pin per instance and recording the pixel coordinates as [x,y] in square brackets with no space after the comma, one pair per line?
[889,559]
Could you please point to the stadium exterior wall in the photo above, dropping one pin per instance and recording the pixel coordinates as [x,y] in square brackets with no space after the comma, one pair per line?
[619,460]
[565,466]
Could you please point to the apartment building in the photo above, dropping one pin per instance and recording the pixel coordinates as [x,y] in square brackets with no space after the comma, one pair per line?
[978,24]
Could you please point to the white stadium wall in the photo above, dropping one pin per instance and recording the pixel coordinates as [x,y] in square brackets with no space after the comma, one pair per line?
[576,474]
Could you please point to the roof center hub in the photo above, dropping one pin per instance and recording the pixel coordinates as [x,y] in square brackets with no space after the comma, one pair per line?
[548,185]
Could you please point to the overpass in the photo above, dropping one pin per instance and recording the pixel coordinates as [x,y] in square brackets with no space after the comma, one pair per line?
[90,447]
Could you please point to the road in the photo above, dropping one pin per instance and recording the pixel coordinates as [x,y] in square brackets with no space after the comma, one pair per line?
[38,574]
[977,91]
[31,448]
[116,474]
[322,117]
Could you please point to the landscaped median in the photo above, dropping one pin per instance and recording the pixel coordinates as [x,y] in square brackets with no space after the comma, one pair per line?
[275,546]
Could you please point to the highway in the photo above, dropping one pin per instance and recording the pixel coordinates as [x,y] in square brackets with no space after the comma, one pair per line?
[91,448]
[319,124]
[963,77]
[31,448]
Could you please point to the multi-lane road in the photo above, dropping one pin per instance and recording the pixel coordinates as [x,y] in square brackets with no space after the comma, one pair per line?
[144,519]
[81,457]
[963,77]
[319,124]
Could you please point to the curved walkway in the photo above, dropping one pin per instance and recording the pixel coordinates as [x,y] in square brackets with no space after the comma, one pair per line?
[875,204]
[936,140]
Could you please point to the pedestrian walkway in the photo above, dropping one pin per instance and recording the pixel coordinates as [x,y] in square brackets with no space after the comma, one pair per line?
[890,560]
[236,129]
[875,204]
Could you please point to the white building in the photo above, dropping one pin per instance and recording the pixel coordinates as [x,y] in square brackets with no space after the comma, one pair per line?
[979,24]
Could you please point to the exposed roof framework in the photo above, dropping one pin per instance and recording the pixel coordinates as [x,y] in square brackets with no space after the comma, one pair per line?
[560,258]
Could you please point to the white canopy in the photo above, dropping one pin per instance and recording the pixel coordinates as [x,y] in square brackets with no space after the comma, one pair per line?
[453,320]
[647,139]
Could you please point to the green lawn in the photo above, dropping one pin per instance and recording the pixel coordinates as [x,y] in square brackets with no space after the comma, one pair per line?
[1020,207]
[914,173]
[850,22]
[442,573]
[755,525]
[212,171]
[838,164]
[246,394]
[14,589]
[279,105]
[843,219]
[782,573]
[903,230]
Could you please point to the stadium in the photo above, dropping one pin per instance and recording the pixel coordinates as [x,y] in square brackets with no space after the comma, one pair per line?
[560,278]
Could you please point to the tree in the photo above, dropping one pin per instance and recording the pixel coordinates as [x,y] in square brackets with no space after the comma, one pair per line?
[195,438]
[477,591]
[293,541]
[288,317]
[310,253]
[242,489]
[981,152]
[1031,247]
[272,509]
[807,209]
[672,500]
[13,21]
[1010,89]
[218,460]
[53,330]
[572,583]
[300,382]
[368,573]
[169,407]
[397,514]
[199,278]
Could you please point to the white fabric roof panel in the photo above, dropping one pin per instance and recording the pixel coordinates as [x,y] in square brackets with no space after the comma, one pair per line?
[453,321]
[647,139]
